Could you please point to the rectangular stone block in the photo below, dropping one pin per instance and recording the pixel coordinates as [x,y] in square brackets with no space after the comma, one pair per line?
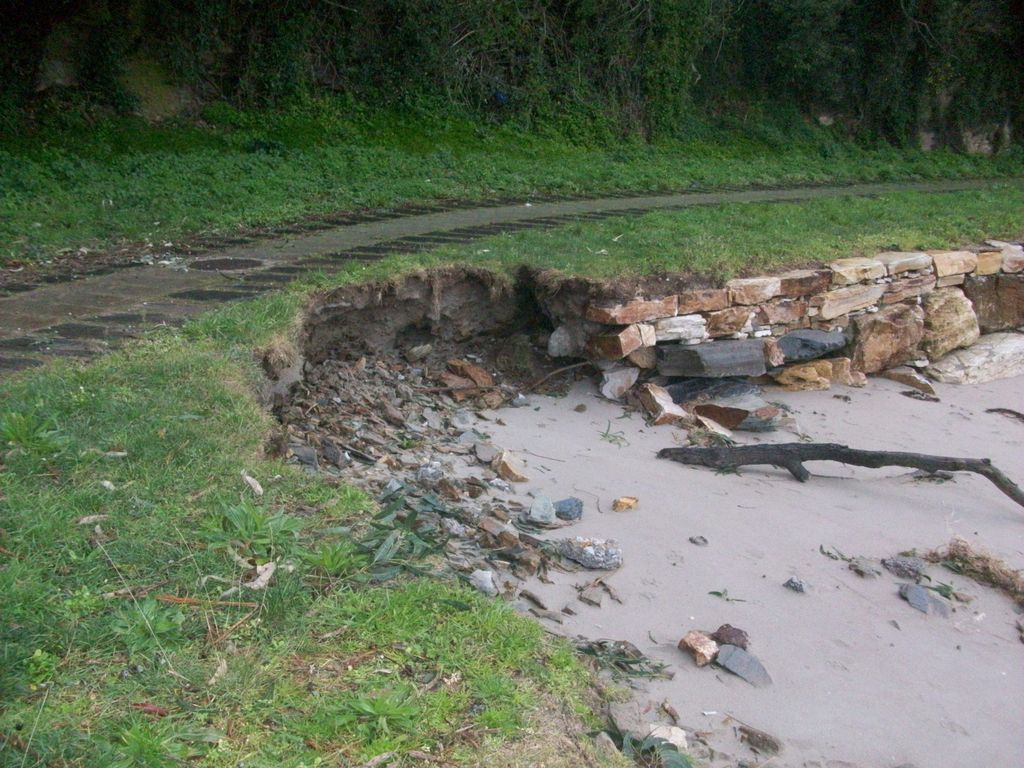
[908,288]
[989,262]
[849,299]
[948,280]
[615,345]
[954,262]
[753,290]
[681,328]
[1013,259]
[858,270]
[726,322]
[702,300]
[713,359]
[636,311]
[782,311]
[897,262]
[805,282]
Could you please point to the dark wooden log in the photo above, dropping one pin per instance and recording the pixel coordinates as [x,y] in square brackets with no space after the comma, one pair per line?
[791,456]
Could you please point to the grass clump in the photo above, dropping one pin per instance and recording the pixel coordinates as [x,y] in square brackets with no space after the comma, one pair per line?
[129,635]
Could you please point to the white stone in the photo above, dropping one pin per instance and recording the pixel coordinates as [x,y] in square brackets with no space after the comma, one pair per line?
[681,328]
[904,261]
[672,734]
[570,339]
[995,356]
[484,581]
[615,383]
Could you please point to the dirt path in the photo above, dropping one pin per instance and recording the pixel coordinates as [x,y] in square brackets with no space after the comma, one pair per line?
[83,316]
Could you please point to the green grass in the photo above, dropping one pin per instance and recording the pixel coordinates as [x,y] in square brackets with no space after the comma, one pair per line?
[94,185]
[151,443]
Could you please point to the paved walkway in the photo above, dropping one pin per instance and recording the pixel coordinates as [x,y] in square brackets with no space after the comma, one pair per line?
[85,316]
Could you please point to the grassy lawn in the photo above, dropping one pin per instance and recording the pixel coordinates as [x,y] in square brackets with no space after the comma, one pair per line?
[94,185]
[121,488]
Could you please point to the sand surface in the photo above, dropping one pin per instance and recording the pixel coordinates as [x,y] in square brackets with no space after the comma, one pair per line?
[860,678]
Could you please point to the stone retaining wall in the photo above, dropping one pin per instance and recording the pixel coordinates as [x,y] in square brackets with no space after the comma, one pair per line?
[873,313]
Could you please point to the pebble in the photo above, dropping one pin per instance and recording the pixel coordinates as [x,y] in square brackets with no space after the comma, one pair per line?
[700,541]
[484,581]
[743,664]
[569,509]
[596,554]
[520,401]
[904,567]
[797,585]
[923,599]
[430,475]
[541,511]
[865,567]
[727,634]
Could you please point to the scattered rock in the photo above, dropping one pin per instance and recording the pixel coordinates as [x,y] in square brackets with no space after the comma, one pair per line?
[596,554]
[592,595]
[624,503]
[306,456]
[996,356]
[904,567]
[484,581]
[743,664]
[907,375]
[887,338]
[520,401]
[700,541]
[570,339]
[471,371]
[949,322]
[604,745]
[748,413]
[809,344]
[727,634]
[542,511]
[760,741]
[569,509]
[713,359]
[419,352]
[924,600]
[701,646]
[485,452]
[673,734]
[429,475]
[509,467]
[864,567]
[658,404]
[795,584]
[616,382]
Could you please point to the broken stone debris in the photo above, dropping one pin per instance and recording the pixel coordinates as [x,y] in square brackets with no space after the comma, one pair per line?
[702,647]
[795,584]
[864,567]
[904,374]
[905,567]
[673,734]
[596,554]
[760,741]
[924,600]
[700,541]
[727,634]
[743,664]
[569,509]
[542,511]
[658,404]
[624,503]
[617,381]
[484,581]
[509,467]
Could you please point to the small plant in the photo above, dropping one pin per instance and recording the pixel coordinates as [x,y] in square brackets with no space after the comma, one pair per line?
[385,714]
[31,433]
[618,439]
[724,594]
[147,626]
[40,667]
[255,533]
[144,746]
[335,559]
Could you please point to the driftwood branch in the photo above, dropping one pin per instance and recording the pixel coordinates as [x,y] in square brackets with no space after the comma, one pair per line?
[791,456]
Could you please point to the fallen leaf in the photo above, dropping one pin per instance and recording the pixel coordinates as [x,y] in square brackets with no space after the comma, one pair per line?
[222,669]
[151,709]
[90,519]
[264,573]
[253,483]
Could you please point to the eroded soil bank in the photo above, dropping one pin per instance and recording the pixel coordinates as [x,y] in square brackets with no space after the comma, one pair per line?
[402,388]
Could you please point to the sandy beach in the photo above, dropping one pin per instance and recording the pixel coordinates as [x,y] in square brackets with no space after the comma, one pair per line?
[860,677]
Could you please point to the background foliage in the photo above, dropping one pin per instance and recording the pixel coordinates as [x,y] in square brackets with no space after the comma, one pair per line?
[641,66]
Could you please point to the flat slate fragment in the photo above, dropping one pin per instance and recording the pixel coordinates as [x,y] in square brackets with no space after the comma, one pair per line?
[740,357]
[743,664]
[923,600]
[809,344]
